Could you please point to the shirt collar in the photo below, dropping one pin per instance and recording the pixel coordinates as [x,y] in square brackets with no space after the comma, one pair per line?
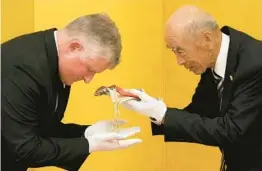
[220,66]
[57,47]
[55,40]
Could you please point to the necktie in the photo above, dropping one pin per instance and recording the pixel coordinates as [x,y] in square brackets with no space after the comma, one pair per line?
[219,81]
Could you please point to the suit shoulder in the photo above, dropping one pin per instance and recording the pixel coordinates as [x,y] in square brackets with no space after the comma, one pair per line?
[27,53]
[249,57]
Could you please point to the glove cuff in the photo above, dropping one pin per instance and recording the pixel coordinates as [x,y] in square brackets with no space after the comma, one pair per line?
[161,112]
[87,133]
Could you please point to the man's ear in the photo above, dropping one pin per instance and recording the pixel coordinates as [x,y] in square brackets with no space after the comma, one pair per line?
[207,39]
[75,45]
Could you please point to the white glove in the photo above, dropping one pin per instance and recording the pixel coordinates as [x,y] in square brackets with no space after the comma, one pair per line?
[148,106]
[101,137]
[116,98]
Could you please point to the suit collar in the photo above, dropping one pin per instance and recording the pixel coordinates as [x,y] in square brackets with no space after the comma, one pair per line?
[59,90]
[232,50]
[232,61]
[55,37]
[52,55]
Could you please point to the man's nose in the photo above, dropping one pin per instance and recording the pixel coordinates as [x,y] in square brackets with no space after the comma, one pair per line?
[89,78]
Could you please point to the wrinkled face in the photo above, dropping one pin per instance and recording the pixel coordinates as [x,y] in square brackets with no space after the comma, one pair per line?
[75,65]
[194,55]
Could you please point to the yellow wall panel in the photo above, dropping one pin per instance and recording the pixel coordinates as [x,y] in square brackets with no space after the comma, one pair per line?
[180,84]
[145,63]
[17,17]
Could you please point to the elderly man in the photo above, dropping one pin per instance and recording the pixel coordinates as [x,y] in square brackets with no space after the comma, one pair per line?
[226,109]
[38,70]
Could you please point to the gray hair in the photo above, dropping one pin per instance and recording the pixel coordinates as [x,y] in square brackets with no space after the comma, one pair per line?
[203,22]
[102,35]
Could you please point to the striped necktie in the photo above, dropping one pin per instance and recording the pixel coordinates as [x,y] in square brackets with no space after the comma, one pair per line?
[219,81]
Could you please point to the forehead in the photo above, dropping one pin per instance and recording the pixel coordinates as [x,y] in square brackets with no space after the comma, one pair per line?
[97,64]
[173,36]
[179,40]
[173,41]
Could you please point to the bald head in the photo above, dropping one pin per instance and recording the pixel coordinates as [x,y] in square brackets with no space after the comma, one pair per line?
[195,38]
[188,20]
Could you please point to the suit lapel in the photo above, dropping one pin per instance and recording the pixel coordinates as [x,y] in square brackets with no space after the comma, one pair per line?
[59,93]
[63,95]
[230,68]
[227,93]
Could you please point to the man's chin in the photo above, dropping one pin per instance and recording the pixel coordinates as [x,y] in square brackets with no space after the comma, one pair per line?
[67,84]
[198,72]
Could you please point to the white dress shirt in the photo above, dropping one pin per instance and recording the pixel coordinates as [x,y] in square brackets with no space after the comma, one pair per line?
[220,66]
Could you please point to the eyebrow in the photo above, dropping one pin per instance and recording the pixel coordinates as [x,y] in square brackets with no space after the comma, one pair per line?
[178,48]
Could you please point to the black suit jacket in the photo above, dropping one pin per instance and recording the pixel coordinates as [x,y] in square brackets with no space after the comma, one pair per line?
[32,132]
[237,128]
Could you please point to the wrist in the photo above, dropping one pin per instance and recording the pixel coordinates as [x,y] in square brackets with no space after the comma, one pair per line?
[163,119]
[86,133]
[159,116]
[91,144]
[162,112]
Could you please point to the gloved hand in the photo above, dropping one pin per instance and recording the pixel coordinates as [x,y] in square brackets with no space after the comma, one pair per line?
[148,106]
[101,137]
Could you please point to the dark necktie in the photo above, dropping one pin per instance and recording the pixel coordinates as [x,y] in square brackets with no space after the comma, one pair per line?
[219,81]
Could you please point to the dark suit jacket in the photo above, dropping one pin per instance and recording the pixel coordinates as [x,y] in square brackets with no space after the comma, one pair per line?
[32,132]
[237,128]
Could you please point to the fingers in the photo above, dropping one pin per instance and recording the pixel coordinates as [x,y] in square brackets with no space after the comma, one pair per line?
[120,144]
[126,132]
[113,140]
[137,92]
[110,136]
[124,99]
[120,134]
[128,89]
[129,142]
[141,94]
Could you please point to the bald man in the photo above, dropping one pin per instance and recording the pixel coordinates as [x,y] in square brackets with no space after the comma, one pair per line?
[226,109]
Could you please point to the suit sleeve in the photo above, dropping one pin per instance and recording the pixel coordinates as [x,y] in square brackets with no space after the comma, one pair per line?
[69,130]
[19,129]
[244,110]
[203,95]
